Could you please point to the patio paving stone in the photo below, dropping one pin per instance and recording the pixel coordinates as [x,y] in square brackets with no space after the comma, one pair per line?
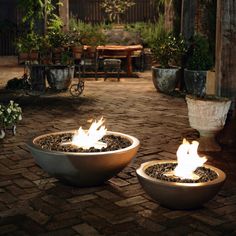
[33,203]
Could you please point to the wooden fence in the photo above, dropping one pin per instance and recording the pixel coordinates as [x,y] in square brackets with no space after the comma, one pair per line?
[85,10]
[7,43]
[91,11]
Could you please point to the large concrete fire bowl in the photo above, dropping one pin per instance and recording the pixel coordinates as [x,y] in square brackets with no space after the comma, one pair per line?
[83,169]
[176,195]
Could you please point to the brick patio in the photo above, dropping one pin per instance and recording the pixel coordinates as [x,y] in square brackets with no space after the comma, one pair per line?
[31,202]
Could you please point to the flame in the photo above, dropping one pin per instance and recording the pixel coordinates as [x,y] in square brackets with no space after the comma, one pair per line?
[188,160]
[90,138]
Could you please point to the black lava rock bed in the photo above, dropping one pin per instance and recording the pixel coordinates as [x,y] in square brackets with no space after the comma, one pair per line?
[54,143]
[158,172]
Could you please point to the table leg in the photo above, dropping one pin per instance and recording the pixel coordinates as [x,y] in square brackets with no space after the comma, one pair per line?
[129,64]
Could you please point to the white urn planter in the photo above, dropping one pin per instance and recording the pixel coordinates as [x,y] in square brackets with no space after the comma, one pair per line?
[208,117]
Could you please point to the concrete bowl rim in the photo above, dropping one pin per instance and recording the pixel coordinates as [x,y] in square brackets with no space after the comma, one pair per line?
[141,172]
[134,143]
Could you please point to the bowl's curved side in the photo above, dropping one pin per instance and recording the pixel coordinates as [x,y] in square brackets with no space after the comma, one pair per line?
[179,195]
[84,169]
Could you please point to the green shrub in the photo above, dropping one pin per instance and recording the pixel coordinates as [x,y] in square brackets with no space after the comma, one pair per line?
[89,34]
[168,50]
[28,42]
[199,56]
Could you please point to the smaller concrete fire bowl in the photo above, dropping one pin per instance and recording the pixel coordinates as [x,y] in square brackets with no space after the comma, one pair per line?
[83,168]
[178,195]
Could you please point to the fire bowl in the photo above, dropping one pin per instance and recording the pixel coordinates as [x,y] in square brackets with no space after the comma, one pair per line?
[176,195]
[83,169]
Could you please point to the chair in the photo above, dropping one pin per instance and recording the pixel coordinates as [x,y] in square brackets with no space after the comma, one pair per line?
[112,65]
[77,53]
[138,60]
[89,61]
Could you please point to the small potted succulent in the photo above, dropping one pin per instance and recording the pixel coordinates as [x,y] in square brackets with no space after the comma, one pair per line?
[168,51]
[9,116]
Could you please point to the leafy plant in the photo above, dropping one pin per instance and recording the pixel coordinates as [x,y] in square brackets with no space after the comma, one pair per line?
[28,42]
[88,34]
[148,32]
[198,55]
[114,8]
[56,39]
[10,114]
[168,49]
[35,11]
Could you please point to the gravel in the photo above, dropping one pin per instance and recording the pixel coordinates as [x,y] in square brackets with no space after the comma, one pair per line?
[53,143]
[158,171]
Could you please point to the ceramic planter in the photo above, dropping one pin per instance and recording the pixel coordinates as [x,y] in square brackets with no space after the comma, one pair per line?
[37,75]
[176,195]
[208,117]
[195,82]
[165,80]
[83,169]
[59,76]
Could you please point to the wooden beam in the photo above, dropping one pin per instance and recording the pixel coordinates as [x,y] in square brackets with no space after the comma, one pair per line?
[225,64]
[169,15]
[64,14]
[188,18]
[226,48]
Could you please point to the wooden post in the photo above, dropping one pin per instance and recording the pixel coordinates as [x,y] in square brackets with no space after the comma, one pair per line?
[188,18]
[226,62]
[169,15]
[45,17]
[64,14]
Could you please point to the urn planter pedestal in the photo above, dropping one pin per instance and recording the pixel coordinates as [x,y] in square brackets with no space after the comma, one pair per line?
[208,117]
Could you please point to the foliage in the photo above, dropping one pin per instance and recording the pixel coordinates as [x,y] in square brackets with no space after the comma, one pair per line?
[114,8]
[54,24]
[10,114]
[198,55]
[87,34]
[28,42]
[56,39]
[35,11]
[168,49]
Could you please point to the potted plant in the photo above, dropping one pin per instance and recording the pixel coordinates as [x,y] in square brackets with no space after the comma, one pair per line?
[167,51]
[9,116]
[198,61]
[27,47]
[207,114]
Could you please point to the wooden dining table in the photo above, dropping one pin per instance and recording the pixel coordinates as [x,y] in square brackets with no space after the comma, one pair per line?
[120,51]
